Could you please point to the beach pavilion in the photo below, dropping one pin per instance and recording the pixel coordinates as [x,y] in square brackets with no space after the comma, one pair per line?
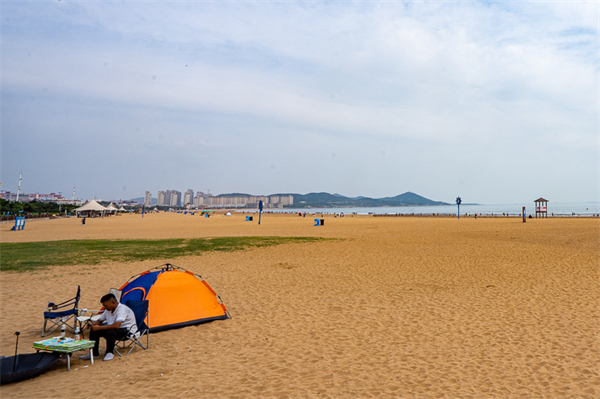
[112,208]
[90,209]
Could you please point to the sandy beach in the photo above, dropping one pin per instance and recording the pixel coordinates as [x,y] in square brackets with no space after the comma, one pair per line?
[386,307]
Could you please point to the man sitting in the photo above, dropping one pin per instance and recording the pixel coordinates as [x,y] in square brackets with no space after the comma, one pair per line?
[119,319]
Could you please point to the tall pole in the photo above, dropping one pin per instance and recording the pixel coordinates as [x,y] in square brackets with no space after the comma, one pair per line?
[19,190]
[73,199]
[458,201]
[17,333]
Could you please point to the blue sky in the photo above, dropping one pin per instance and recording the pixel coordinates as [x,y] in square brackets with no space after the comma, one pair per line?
[494,101]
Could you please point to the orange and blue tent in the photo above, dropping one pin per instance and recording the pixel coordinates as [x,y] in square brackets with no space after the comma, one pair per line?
[176,297]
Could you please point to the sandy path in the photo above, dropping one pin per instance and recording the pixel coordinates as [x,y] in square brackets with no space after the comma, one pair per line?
[397,307]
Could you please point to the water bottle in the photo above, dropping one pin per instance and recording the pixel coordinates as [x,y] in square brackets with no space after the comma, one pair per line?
[77,336]
[63,331]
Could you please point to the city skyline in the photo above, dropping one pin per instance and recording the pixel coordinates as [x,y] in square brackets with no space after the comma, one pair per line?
[173,198]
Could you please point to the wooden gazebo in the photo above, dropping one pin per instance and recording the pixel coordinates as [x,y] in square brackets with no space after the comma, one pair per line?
[541,207]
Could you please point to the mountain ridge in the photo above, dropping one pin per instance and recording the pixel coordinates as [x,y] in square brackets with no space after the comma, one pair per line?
[326,200]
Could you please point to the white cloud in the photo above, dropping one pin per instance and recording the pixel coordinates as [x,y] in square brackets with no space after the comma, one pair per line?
[475,74]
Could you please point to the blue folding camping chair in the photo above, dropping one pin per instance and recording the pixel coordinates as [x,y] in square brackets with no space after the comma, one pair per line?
[131,340]
[58,314]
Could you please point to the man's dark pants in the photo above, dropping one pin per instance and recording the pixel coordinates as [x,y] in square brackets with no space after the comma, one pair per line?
[111,337]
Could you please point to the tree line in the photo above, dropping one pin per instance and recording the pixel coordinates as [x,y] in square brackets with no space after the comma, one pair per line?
[32,207]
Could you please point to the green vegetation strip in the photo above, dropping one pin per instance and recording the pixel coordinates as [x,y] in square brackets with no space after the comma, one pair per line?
[28,256]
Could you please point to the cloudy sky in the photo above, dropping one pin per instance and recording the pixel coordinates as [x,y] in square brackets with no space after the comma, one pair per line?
[497,102]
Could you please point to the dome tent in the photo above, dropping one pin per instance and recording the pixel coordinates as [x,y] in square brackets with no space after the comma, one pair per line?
[177,297]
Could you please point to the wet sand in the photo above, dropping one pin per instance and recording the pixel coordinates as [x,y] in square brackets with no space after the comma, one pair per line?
[389,307]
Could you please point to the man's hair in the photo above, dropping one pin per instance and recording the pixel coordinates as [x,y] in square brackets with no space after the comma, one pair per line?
[108,297]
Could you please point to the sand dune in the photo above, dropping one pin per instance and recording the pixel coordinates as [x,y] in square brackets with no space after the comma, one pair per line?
[391,307]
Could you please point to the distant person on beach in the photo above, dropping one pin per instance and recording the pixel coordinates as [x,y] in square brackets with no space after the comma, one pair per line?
[83,220]
[119,321]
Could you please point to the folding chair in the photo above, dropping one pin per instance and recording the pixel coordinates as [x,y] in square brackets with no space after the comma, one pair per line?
[131,340]
[58,317]
[117,293]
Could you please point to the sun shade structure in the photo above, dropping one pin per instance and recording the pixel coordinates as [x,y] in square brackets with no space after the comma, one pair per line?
[93,205]
[177,297]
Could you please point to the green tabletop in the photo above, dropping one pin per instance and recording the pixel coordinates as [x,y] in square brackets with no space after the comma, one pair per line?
[64,345]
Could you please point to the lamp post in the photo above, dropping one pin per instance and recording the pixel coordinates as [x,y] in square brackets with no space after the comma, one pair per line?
[458,201]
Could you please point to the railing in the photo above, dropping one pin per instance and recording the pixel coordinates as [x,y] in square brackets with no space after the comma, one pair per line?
[490,215]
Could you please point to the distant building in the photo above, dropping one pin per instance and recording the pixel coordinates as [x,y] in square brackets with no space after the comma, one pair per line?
[281,199]
[162,199]
[243,201]
[174,197]
[188,197]
[52,197]
[148,199]
[199,199]
[64,201]
[44,197]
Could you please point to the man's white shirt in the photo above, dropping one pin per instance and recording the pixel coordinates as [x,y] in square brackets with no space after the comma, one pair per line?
[123,314]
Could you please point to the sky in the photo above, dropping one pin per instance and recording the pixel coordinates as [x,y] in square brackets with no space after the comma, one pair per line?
[496,102]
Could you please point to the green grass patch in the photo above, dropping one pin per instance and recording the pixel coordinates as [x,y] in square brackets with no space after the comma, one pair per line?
[27,256]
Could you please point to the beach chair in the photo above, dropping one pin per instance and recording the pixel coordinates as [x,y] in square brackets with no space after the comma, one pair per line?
[62,313]
[140,310]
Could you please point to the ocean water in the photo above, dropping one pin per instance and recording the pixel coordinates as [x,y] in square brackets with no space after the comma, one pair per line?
[554,209]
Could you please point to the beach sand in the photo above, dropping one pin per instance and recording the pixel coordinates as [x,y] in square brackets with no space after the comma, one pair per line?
[389,307]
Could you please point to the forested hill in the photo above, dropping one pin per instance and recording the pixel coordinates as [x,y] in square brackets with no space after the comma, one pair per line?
[326,200]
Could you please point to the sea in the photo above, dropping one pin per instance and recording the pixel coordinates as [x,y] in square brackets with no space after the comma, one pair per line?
[557,209]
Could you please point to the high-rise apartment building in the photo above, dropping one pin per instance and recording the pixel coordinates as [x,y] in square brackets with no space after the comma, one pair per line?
[162,198]
[199,198]
[175,197]
[286,200]
[188,197]
[148,199]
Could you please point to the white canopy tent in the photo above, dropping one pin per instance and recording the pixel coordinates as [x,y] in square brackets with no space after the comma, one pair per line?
[92,206]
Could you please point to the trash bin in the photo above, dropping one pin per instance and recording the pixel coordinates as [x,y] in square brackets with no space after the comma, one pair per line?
[322,222]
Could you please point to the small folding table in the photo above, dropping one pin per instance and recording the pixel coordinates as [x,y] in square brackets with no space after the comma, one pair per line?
[65,346]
